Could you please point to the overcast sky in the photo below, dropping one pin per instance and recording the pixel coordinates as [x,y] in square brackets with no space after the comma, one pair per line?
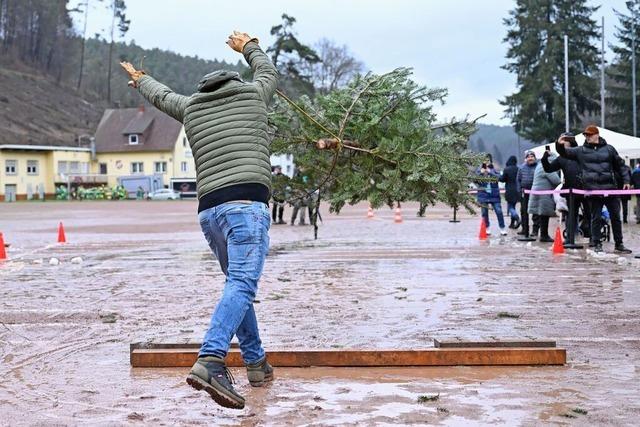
[455,44]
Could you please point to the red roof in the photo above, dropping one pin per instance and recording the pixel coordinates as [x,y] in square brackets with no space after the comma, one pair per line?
[156,131]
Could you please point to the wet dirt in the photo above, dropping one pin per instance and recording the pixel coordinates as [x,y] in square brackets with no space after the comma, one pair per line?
[147,274]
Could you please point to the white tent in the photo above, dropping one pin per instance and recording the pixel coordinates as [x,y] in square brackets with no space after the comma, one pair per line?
[628,146]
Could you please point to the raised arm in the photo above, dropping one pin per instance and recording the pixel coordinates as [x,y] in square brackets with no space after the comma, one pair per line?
[161,96]
[265,74]
[568,153]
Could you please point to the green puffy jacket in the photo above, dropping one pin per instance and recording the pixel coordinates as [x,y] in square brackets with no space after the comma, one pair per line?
[225,122]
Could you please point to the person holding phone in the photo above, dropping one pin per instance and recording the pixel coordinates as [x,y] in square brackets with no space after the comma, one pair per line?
[599,163]
[572,177]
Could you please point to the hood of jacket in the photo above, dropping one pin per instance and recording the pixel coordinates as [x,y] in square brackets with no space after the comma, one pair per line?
[213,81]
[513,160]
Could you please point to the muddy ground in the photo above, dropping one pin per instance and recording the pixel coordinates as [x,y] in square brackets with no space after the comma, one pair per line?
[147,274]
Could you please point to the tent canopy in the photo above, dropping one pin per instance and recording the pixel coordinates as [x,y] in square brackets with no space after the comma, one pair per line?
[628,146]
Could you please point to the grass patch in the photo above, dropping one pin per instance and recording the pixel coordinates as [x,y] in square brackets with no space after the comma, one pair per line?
[400,297]
[443,410]
[108,318]
[402,288]
[275,297]
[428,398]
[580,411]
[507,315]
[568,415]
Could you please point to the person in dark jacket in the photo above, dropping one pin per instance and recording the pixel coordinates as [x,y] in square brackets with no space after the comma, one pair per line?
[635,182]
[572,178]
[525,181]
[489,195]
[511,192]
[599,163]
[624,199]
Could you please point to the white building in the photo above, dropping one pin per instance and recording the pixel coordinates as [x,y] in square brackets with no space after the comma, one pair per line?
[285,161]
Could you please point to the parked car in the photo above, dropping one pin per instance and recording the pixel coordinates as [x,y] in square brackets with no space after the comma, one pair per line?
[164,194]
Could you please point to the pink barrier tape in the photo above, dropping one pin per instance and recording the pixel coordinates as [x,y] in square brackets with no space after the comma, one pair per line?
[546,192]
[585,192]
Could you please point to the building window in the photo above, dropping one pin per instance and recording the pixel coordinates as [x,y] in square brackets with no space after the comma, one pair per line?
[133,139]
[184,141]
[161,167]
[62,167]
[137,167]
[32,167]
[74,167]
[11,167]
[103,168]
[184,167]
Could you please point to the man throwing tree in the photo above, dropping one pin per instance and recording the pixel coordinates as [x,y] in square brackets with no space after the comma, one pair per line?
[226,124]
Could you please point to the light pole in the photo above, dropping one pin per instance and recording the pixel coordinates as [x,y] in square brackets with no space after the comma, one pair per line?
[633,69]
[566,82]
[602,122]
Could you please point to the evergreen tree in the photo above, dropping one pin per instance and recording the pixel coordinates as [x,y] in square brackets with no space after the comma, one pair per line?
[536,30]
[377,140]
[619,99]
[292,58]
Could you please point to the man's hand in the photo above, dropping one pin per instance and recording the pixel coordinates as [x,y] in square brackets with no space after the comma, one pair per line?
[134,74]
[238,40]
[626,187]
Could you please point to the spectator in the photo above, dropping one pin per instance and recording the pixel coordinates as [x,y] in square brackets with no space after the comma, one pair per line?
[624,199]
[279,194]
[543,205]
[599,162]
[511,192]
[572,177]
[525,181]
[635,181]
[489,195]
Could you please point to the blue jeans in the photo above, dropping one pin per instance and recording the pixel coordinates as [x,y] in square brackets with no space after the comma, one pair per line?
[238,234]
[497,207]
[511,207]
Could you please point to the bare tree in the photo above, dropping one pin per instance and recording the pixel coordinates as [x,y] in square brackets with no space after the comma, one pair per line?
[336,67]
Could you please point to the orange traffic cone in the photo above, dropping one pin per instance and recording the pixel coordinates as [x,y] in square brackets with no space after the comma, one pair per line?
[483,230]
[61,237]
[558,247]
[398,216]
[370,213]
[3,253]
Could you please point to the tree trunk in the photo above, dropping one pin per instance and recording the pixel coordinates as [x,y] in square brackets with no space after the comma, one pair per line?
[113,23]
[84,41]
